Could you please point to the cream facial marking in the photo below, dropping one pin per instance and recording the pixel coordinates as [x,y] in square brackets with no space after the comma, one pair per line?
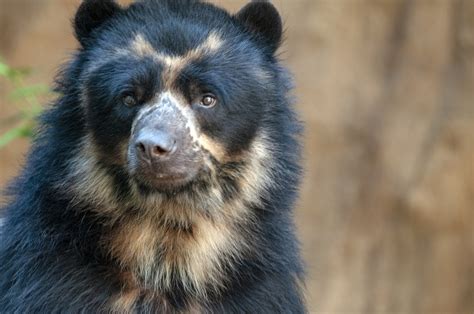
[181,105]
[168,104]
[199,138]
[141,47]
[257,177]
[90,182]
[174,64]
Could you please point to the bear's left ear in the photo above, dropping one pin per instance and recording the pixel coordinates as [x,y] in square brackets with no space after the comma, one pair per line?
[262,18]
[92,14]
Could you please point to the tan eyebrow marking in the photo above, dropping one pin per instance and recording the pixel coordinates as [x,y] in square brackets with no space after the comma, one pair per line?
[174,64]
[141,47]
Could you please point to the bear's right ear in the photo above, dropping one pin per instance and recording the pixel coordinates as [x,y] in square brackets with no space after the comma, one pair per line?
[90,15]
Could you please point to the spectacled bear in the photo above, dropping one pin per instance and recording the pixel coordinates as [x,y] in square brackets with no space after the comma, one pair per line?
[164,176]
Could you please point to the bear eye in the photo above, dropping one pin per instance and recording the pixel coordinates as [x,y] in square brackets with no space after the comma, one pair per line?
[129,100]
[208,100]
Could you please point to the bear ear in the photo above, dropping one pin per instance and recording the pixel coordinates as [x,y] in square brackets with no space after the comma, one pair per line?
[262,18]
[92,14]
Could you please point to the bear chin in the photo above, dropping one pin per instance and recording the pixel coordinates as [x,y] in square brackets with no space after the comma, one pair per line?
[170,185]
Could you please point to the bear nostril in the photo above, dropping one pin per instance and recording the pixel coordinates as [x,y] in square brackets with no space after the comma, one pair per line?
[141,147]
[158,150]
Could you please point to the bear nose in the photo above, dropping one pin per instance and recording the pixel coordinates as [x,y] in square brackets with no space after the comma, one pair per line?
[153,145]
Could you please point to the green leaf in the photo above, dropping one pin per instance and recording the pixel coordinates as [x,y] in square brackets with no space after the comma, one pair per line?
[28,91]
[26,117]
[24,130]
[21,72]
[34,111]
[4,70]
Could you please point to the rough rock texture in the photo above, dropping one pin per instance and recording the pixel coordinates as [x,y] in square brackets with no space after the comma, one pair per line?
[386,89]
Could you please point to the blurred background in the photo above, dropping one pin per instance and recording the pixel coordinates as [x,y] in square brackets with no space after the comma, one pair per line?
[386,91]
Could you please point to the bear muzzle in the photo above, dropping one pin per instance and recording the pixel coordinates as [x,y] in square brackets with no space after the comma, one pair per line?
[162,153]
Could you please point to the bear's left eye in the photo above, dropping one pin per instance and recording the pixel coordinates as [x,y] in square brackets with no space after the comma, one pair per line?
[208,100]
[129,100]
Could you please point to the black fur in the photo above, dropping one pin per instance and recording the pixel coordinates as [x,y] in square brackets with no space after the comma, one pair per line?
[91,15]
[51,254]
[263,19]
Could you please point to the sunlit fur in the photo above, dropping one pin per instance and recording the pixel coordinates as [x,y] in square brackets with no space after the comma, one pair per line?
[82,234]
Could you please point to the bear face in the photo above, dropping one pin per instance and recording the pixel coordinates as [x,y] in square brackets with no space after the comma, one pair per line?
[174,94]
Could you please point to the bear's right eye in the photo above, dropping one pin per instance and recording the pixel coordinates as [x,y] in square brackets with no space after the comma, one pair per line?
[129,100]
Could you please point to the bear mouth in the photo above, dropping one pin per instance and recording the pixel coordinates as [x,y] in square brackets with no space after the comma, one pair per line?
[164,183]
